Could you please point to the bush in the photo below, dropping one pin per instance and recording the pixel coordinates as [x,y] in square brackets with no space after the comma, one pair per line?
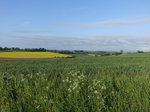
[140,51]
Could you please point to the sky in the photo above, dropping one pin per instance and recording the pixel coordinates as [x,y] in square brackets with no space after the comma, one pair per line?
[104,25]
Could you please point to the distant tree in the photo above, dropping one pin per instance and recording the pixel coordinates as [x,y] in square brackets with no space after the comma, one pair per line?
[96,54]
[6,49]
[1,48]
[65,52]
[105,54]
[116,53]
[121,51]
[15,49]
[140,51]
[35,49]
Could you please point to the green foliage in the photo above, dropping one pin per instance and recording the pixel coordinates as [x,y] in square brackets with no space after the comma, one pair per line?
[140,51]
[117,53]
[85,84]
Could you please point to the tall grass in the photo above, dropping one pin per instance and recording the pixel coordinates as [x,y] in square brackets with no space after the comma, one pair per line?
[88,84]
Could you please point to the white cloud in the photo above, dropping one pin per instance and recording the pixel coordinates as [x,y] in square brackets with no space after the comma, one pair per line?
[31,31]
[105,23]
[144,47]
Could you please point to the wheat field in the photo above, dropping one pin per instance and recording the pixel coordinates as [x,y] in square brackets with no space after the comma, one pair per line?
[84,84]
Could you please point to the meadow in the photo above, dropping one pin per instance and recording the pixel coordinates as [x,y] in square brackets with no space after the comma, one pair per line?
[32,55]
[84,84]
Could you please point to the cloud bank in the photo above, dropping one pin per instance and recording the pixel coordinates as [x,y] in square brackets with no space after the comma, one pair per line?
[108,43]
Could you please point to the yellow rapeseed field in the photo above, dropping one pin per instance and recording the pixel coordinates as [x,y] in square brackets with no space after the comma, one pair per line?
[31,55]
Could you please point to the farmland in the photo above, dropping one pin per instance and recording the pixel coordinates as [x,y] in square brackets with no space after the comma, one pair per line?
[31,55]
[84,84]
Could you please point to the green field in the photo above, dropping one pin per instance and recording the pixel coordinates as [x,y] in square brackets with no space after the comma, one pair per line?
[83,84]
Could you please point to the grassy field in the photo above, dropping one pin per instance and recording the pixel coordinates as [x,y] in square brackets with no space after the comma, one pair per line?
[85,84]
[31,55]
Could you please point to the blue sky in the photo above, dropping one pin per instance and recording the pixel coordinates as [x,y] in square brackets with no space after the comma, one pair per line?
[76,24]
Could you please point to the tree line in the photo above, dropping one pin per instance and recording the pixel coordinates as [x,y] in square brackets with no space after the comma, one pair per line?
[20,49]
[95,53]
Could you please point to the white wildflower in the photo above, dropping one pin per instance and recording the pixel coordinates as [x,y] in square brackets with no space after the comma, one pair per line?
[95,92]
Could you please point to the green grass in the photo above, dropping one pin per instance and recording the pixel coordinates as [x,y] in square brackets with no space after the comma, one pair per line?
[84,84]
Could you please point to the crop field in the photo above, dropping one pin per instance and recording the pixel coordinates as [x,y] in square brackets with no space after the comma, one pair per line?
[31,55]
[83,84]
